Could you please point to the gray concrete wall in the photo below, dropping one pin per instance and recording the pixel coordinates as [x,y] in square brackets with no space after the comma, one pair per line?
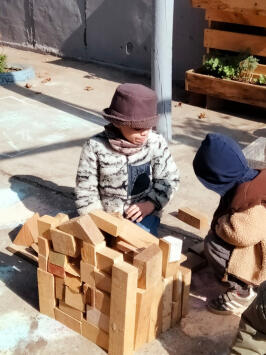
[116,32]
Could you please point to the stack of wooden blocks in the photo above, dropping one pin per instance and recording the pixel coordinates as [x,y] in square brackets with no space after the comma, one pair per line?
[109,280]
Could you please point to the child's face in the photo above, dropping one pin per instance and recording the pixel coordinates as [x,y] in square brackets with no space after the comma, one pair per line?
[134,135]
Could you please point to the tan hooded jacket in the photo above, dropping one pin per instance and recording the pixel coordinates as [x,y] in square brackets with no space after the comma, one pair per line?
[244,226]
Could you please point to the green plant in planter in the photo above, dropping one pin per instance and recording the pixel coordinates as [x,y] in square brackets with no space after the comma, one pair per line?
[3,63]
[236,67]
[261,80]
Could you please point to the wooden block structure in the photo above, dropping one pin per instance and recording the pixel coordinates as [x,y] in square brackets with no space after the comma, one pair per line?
[234,26]
[96,291]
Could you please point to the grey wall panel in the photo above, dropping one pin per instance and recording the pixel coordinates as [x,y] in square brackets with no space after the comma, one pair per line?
[112,31]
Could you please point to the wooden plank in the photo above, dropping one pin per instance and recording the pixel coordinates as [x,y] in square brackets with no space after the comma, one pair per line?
[95,334]
[103,281]
[226,89]
[126,247]
[59,288]
[46,293]
[136,236]
[123,309]
[106,258]
[193,218]
[72,312]
[74,300]
[87,273]
[257,7]
[143,313]
[88,252]
[23,252]
[44,246]
[102,302]
[248,19]
[169,268]
[177,299]
[167,303]
[65,243]
[186,281]
[149,264]
[28,234]
[73,282]
[97,318]
[42,260]
[107,222]
[155,327]
[67,320]
[236,42]
[83,228]
[57,259]
[56,270]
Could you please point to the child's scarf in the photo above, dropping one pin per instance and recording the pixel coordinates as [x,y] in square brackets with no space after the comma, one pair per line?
[119,143]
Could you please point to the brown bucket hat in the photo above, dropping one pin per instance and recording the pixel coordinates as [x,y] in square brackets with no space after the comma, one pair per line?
[133,105]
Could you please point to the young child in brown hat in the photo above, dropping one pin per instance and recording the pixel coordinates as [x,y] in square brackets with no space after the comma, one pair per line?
[128,167]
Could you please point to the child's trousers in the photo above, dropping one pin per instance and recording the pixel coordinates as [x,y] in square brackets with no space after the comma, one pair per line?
[150,224]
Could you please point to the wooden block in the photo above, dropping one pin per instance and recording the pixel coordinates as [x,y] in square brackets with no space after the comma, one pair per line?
[123,309]
[23,252]
[83,228]
[186,281]
[194,262]
[74,300]
[73,268]
[98,319]
[45,223]
[61,218]
[59,288]
[102,302]
[46,293]
[258,7]
[177,299]
[106,258]
[171,269]
[89,295]
[155,327]
[149,264]
[166,248]
[34,247]
[107,222]
[72,312]
[57,259]
[73,282]
[143,314]
[103,281]
[29,232]
[167,303]
[56,270]
[194,219]
[87,273]
[65,243]
[132,234]
[42,262]
[95,334]
[44,246]
[88,252]
[126,247]
[67,320]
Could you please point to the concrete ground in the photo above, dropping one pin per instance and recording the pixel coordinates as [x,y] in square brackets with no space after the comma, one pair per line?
[42,129]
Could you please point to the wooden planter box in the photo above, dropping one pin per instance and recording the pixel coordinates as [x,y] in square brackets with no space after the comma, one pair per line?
[236,26]
[226,89]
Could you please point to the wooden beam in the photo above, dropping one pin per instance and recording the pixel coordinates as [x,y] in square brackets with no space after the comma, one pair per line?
[103,281]
[95,334]
[107,222]
[186,280]
[193,218]
[167,303]
[247,19]
[88,252]
[44,246]
[46,293]
[236,42]
[102,302]
[149,264]
[106,258]
[67,320]
[123,309]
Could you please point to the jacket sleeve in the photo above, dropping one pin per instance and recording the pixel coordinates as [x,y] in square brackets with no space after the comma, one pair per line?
[86,191]
[243,229]
[165,176]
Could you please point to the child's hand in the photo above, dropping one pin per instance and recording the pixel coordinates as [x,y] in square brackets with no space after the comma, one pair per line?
[139,211]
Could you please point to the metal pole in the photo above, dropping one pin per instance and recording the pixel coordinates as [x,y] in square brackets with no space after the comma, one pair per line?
[161,72]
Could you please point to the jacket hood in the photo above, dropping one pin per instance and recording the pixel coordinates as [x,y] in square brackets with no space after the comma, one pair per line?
[220,165]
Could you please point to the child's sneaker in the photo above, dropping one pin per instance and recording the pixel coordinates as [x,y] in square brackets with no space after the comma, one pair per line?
[231,302]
